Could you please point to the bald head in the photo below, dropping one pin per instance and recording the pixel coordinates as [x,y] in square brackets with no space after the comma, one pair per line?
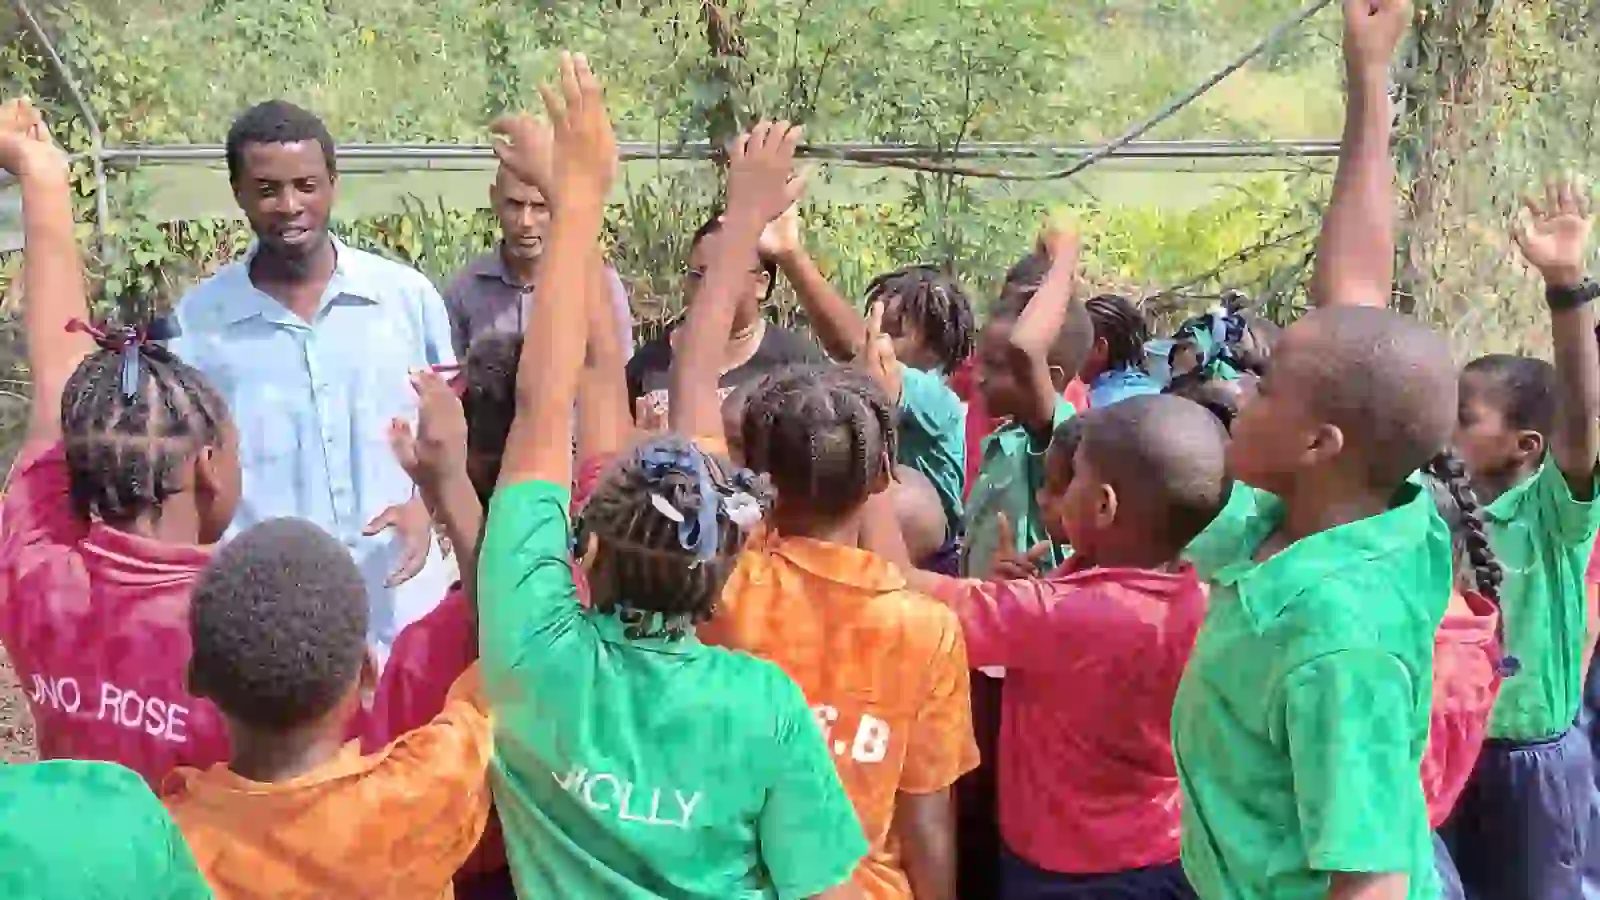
[1385,380]
[1166,457]
[524,216]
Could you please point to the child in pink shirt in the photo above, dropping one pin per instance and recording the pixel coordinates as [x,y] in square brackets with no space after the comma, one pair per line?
[1093,654]
[128,475]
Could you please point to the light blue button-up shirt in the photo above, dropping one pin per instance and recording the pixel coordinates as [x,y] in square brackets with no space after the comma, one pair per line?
[313,402]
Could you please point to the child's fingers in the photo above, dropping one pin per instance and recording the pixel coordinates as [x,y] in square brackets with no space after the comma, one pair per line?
[792,135]
[1038,552]
[1567,197]
[874,322]
[1552,197]
[554,107]
[1003,527]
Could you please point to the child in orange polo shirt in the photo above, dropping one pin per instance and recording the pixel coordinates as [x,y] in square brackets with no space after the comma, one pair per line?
[279,622]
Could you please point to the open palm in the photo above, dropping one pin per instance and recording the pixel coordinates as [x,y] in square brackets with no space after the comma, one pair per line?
[1553,234]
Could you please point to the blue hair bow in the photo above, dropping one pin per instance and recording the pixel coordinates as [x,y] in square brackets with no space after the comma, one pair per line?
[127,340]
[698,534]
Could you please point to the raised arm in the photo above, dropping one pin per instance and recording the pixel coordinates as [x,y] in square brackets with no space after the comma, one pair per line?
[435,456]
[836,322]
[572,161]
[1036,329]
[1554,238]
[604,424]
[1355,252]
[52,271]
[761,185]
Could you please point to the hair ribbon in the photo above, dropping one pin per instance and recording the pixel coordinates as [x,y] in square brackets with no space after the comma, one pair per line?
[698,534]
[127,340]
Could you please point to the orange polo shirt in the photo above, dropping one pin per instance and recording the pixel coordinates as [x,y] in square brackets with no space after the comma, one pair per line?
[884,668]
[393,824]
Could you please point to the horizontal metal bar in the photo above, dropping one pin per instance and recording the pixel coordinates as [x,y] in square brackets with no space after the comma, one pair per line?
[846,152]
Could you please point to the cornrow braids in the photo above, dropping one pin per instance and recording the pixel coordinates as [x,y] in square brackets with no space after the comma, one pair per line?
[938,306]
[642,569]
[1120,324]
[1446,475]
[821,433]
[124,448]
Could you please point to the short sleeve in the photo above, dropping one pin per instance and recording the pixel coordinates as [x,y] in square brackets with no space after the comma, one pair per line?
[455,311]
[1571,520]
[933,436]
[526,595]
[184,880]
[1227,539]
[439,774]
[810,837]
[37,507]
[942,747]
[1347,719]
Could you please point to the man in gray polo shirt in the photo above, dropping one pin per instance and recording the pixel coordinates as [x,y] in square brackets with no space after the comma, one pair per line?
[491,295]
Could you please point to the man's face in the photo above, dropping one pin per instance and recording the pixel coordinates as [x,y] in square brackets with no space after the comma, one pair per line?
[523,216]
[286,193]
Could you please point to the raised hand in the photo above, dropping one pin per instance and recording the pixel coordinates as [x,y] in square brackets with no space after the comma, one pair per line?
[438,447]
[761,178]
[573,158]
[877,357]
[1553,235]
[527,149]
[25,144]
[1372,30]
[1060,242]
[1008,564]
[781,237]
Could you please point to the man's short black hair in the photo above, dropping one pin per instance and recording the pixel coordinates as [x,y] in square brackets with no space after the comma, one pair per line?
[276,122]
[279,625]
[714,225]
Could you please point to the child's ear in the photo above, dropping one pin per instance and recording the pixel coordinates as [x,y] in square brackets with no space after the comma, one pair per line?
[1530,446]
[1105,506]
[1326,443]
[1059,377]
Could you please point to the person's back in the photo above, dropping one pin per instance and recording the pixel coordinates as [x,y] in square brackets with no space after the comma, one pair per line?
[79,830]
[1466,680]
[279,623]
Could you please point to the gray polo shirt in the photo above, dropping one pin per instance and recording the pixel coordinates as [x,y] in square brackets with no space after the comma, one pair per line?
[485,299]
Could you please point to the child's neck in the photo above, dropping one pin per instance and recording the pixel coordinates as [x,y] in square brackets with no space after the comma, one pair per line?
[799,523]
[176,522]
[271,756]
[1489,487]
[1132,557]
[1320,507]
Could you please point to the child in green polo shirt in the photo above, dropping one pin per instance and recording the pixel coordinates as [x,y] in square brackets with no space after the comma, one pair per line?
[929,319]
[632,761]
[1035,343]
[1303,715]
[1527,434]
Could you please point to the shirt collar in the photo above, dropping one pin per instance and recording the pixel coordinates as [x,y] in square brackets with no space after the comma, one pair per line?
[219,779]
[849,566]
[1505,507]
[242,300]
[1266,588]
[613,630]
[492,265]
[120,557]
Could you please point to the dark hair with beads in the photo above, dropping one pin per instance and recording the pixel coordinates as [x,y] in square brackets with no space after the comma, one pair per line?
[1122,326]
[935,304]
[823,434]
[642,567]
[125,448]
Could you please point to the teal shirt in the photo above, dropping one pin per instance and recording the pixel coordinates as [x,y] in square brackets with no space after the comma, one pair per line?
[1542,536]
[1300,724]
[933,437]
[86,831]
[642,768]
[1008,481]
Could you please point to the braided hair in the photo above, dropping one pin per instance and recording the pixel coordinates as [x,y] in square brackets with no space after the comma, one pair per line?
[128,435]
[1120,324]
[938,307]
[670,521]
[1446,478]
[823,435]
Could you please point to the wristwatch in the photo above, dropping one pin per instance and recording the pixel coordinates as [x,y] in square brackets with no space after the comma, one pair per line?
[1562,299]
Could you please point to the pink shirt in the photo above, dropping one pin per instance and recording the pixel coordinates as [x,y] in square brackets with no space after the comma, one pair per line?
[97,624]
[1093,657]
[1466,680]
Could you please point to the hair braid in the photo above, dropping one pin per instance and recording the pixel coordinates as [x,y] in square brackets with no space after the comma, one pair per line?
[1120,324]
[935,303]
[124,452]
[1470,534]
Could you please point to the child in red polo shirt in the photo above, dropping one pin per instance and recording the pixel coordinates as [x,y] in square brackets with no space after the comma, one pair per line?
[128,475]
[1089,794]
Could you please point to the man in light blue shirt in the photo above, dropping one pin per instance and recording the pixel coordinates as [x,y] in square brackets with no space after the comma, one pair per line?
[312,343]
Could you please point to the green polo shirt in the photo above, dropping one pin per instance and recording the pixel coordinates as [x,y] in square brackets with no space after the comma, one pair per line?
[933,437]
[1301,720]
[73,829]
[1008,481]
[642,768]
[1543,536]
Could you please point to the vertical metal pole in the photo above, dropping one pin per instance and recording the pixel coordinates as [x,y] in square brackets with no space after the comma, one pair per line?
[96,140]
